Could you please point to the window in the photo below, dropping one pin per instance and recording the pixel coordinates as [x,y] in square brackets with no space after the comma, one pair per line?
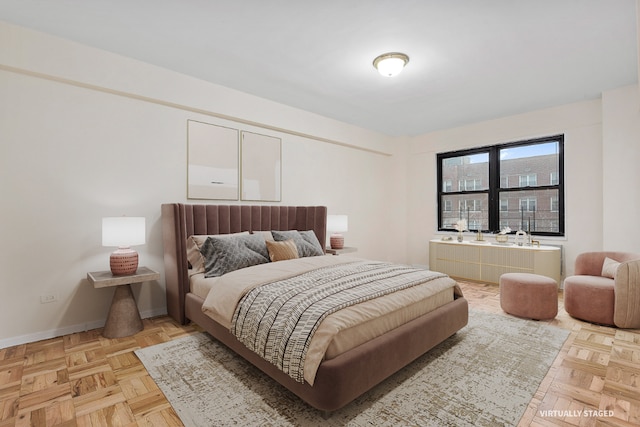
[518,184]
[470,184]
[528,204]
[474,224]
[472,205]
[530,180]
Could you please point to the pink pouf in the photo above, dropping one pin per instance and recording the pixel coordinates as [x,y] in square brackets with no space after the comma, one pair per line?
[530,296]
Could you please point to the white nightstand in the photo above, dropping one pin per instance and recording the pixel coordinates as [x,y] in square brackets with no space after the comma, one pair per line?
[124,318]
[345,250]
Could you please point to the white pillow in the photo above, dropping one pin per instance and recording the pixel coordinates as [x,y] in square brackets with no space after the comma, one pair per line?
[609,268]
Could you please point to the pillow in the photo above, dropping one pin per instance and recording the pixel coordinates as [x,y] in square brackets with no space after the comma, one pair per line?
[194,244]
[265,234]
[224,255]
[609,268]
[280,251]
[310,237]
[306,241]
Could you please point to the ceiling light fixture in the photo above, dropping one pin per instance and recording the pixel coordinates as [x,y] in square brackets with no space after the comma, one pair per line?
[390,64]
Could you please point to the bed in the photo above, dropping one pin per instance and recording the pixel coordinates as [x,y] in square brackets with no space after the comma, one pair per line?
[348,372]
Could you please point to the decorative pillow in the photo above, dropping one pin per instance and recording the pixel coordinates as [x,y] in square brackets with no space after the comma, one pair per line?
[310,237]
[280,251]
[306,241]
[194,244]
[609,268]
[223,255]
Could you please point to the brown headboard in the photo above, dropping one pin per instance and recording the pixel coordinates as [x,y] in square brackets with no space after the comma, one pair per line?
[180,221]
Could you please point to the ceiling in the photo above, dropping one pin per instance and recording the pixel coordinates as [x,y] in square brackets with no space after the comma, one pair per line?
[470,60]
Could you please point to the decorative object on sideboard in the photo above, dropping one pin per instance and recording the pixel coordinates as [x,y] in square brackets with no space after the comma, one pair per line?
[336,225]
[390,64]
[461,225]
[123,232]
[502,236]
[521,237]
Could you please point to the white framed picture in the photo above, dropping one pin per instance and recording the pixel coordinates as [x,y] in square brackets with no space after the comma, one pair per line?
[212,162]
[261,167]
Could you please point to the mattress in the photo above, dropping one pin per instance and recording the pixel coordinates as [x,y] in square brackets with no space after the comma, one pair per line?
[342,330]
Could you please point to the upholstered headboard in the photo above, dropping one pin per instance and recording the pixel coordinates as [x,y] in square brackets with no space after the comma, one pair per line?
[179,221]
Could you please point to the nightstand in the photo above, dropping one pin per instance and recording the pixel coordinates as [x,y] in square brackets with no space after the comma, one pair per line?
[345,250]
[124,318]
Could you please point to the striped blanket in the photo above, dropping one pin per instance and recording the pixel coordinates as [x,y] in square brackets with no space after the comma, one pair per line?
[277,320]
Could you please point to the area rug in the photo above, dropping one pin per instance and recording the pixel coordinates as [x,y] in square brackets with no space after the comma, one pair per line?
[484,375]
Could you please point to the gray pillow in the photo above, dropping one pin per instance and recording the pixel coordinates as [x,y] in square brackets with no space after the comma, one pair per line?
[306,241]
[223,255]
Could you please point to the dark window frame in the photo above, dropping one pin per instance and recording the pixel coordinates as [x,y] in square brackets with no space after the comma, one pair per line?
[494,190]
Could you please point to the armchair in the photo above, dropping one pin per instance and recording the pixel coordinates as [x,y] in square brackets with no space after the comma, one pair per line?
[605,289]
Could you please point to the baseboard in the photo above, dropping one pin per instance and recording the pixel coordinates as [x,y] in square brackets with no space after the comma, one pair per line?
[58,332]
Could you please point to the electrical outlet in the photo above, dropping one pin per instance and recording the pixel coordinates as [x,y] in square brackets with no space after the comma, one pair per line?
[48,298]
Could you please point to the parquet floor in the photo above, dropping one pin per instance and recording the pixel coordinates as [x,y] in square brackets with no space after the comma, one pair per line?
[594,381]
[84,379]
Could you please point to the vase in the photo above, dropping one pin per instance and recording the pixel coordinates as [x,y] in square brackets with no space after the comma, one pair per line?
[502,238]
[460,236]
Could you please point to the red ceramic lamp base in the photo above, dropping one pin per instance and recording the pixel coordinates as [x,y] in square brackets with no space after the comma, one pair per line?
[123,261]
[336,241]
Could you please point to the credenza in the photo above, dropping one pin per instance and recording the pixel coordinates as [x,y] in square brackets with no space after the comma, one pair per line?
[486,262]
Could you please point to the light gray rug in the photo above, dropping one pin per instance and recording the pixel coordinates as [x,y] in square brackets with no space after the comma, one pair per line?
[485,375]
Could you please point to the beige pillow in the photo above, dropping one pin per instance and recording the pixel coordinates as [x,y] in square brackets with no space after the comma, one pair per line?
[194,244]
[609,268]
[280,251]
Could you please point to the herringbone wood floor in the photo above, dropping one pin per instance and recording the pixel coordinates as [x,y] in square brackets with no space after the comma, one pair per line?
[84,379]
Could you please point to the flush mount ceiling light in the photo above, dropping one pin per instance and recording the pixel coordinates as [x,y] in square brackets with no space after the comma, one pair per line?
[390,64]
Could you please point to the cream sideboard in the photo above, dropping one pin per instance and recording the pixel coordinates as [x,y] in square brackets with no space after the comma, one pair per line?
[486,262]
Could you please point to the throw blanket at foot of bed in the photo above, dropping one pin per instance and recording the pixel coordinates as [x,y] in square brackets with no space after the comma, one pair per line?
[277,320]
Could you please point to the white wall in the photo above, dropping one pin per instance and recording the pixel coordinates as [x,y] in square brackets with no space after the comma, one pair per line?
[621,169]
[88,134]
[581,125]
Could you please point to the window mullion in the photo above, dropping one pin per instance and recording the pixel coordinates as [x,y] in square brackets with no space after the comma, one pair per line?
[494,189]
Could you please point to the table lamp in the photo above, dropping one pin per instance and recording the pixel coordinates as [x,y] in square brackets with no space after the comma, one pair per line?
[123,232]
[337,224]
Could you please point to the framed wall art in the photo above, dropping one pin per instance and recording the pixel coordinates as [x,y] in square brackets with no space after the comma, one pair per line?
[261,165]
[212,161]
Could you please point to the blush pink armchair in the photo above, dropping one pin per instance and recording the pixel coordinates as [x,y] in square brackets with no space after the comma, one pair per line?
[605,289]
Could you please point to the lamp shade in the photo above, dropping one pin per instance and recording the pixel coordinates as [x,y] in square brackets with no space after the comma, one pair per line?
[123,231]
[337,223]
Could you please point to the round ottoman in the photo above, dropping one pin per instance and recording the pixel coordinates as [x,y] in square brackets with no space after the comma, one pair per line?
[529,295]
